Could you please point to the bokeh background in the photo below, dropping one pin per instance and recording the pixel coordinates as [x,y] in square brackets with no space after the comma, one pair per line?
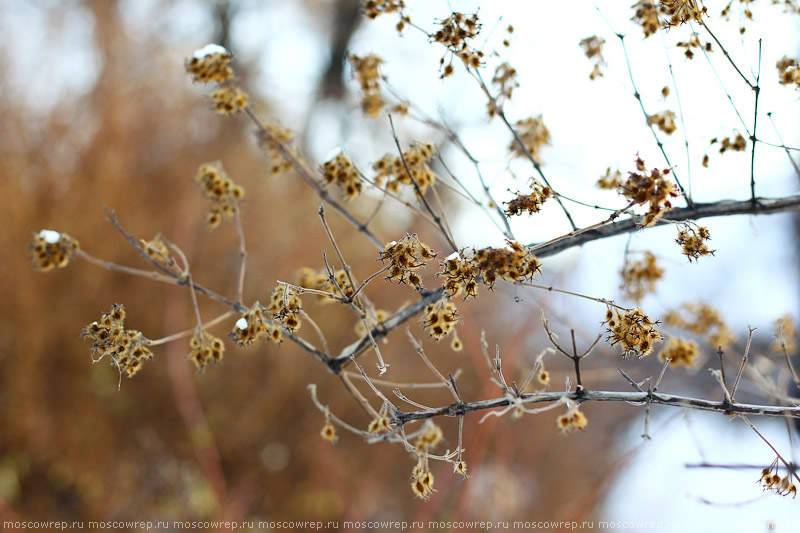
[97,111]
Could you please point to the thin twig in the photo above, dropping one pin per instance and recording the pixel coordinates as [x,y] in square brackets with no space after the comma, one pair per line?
[177,279]
[722,86]
[308,176]
[650,125]
[436,218]
[151,274]
[370,278]
[186,333]
[630,380]
[397,384]
[237,219]
[521,144]
[403,397]
[421,352]
[196,307]
[336,249]
[786,463]
[783,145]
[744,362]
[358,396]
[577,294]
[458,143]
[792,371]
[727,55]
[757,89]
[649,404]
[683,123]
[315,327]
[312,389]
[661,374]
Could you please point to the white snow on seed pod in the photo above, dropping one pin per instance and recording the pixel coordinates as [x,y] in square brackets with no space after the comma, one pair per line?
[50,236]
[210,49]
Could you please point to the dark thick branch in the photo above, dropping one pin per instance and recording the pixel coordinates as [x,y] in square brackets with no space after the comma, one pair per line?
[727,408]
[761,206]
[357,348]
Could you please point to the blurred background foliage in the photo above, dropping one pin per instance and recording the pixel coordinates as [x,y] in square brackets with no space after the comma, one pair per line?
[114,121]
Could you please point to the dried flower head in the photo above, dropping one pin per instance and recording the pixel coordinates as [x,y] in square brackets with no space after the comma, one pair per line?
[321,280]
[400,109]
[571,420]
[210,63]
[311,279]
[365,69]
[455,33]
[381,316]
[677,12]
[463,272]
[430,435]
[693,241]
[785,336]
[285,306]
[505,79]
[220,189]
[340,286]
[514,264]
[422,480]
[406,258]
[640,277]
[789,71]
[704,320]
[543,376]
[646,16]
[456,345]
[250,327]
[692,44]
[460,275]
[439,319]
[275,334]
[634,331]
[649,187]
[533,134]
[680,352]
[391,169]
[341,171]
[205,348]
[771,480]
[277,142]
[329,433]
[593,48]
[664,120]
[374,8]
[126,349]
[667,13]
[787,487]
[157,249]
[735,143]
[610,180]
[529,203]
[50,249]
[381,424]
[229,100]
